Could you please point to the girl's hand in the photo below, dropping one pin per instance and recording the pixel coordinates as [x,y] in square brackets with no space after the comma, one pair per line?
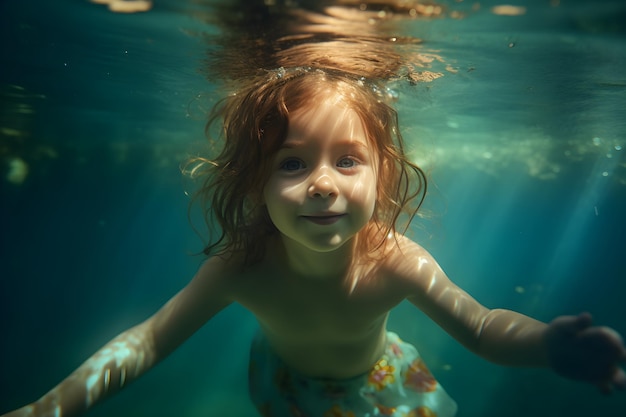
[578,350]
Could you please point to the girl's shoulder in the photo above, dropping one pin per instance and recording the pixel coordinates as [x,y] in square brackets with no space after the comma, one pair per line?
[403,258]
[233,270]
[399,248]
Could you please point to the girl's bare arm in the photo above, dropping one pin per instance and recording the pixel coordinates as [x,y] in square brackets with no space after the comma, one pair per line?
[137,349]
[507,337]
[498,335]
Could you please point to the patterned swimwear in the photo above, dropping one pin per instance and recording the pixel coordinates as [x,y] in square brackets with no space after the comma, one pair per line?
[398,385]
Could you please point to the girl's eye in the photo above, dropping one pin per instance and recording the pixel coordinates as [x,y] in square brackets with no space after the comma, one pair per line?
[346,163]
[291,165]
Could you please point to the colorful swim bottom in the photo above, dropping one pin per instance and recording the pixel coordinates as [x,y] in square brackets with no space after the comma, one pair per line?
[398,385]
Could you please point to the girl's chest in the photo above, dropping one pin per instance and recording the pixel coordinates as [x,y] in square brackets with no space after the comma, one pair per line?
[317,311]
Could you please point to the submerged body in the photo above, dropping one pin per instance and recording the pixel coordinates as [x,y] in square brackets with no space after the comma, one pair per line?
[331,267]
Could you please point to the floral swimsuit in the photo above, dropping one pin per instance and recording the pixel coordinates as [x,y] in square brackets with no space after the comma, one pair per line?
[398,385]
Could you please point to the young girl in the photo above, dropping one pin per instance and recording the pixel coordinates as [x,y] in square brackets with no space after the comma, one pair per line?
[308,191]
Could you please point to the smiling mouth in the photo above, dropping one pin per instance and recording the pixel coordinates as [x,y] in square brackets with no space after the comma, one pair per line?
[324,219]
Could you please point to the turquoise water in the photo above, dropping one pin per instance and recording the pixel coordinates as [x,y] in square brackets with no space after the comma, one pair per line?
[523,138]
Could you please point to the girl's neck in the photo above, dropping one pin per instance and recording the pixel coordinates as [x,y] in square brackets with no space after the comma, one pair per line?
[310,264]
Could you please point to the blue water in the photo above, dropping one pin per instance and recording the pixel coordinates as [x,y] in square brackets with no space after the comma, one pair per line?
[523,138]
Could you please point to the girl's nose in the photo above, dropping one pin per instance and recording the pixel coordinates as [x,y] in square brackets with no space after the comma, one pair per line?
[323,185]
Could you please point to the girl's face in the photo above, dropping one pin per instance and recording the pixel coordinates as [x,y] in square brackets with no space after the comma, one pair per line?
[322,187]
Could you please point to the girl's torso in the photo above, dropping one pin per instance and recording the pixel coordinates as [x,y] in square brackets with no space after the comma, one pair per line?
[321,328]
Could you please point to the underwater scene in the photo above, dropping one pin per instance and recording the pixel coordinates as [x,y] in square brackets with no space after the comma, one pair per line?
[516,111]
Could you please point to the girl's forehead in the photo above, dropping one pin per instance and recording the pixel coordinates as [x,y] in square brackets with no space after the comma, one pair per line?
[329,122]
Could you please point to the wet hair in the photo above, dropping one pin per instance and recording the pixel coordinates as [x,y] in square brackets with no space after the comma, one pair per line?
[255,121]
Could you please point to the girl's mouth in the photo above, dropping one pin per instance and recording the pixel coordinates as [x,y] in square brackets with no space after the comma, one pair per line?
[324,220]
